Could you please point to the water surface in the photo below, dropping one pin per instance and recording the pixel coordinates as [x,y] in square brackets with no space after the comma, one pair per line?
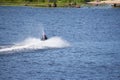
[87,46]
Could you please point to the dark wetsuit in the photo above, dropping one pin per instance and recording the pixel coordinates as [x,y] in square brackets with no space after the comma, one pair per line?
[44,37]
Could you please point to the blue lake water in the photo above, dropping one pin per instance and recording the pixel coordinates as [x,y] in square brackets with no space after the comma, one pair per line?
[83,44]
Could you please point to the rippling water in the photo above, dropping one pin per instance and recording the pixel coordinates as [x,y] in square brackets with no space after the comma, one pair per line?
[83,44]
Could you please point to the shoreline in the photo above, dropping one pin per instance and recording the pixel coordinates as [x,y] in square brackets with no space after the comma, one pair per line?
[43,4]
[107,2]
[89,4]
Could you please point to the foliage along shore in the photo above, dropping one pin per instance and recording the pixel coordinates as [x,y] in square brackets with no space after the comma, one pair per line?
[44,3]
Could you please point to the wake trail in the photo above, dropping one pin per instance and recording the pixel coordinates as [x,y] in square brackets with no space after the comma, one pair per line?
[35,43]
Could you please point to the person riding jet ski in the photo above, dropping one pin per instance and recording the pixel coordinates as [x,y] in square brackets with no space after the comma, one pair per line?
[44,37]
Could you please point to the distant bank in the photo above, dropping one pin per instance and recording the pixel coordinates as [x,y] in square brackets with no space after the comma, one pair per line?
[44,3]
[114,3]
[59,3]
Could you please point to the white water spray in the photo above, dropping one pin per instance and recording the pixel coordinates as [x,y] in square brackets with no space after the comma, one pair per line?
[35,43]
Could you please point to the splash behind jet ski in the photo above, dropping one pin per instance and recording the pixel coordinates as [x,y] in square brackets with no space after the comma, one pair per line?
[44,37]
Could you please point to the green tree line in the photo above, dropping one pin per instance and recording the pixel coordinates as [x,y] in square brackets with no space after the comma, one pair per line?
[45,3]
[63,1]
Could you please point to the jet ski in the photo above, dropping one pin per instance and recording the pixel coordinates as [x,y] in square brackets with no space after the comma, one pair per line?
[44,37]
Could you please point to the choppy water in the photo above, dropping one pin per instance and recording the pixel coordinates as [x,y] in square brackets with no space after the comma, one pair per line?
[83,44]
